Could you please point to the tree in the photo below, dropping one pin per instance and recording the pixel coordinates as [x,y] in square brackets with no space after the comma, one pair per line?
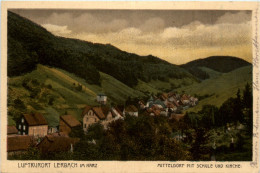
[77,132]
[95,131]
[209,115]
[237,110]
[226,110]
[19,104]
[247,97]
[248,108]
[198,149]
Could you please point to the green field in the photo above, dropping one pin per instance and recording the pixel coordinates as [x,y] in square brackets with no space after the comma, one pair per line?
[221,86]
[67,99]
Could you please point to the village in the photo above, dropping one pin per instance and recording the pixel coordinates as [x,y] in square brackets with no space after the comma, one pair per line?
[32,130]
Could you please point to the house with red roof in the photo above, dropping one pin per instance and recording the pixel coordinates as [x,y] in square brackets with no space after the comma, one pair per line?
[131,110]
[32,125]
[96,114]
[67,123]
[57,143]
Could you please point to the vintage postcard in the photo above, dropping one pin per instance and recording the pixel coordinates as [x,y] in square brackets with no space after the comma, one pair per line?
[130,87]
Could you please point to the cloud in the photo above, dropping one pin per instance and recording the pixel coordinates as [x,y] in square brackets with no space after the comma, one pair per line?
[232,18]
[152,24]
[57,30]
[198,34]
[85,22]
[230,35]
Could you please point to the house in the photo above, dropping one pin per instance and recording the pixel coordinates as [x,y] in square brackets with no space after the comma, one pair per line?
[185,100]
[18,144]
[52,129]
[12,130]
[67,123]
[142,104]
[93,115]
[155,112]
[109,116]
[163,96]
[152,112]
[117,113]
[164,112]
[131,110]
[149,102]
[194,101]
[102,98]
[159,104]
[176,103]
[57,143]
[121,108]
[171,106]
[32,125]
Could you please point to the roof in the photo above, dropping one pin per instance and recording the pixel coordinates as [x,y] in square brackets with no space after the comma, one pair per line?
[105,110]
[118,110]
[141,102]
[185,97]
[159,102]
[70,120]
[164,96]
[156,112]
[115,111]
[54,143]
[11,130]
[18,142]
[85,110]
[131,108]
[170,105]
[101,112]
[149,111]
[35,119]
[98,111]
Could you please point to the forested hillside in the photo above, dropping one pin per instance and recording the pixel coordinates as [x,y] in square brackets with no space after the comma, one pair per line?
[30,44]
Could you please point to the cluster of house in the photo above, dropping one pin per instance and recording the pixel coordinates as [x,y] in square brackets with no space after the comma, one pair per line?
[168,104]
[33,129]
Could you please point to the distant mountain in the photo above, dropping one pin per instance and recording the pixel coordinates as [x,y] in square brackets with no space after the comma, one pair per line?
[30,44]
[221,64]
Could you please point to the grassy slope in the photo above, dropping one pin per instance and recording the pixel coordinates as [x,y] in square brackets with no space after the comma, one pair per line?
[212,73]
[157,86]
[222,86]
[67,98]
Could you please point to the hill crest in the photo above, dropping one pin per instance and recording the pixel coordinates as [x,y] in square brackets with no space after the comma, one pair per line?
[223,64]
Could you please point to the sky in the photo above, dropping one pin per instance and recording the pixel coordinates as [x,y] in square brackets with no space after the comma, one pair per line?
[177,36]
